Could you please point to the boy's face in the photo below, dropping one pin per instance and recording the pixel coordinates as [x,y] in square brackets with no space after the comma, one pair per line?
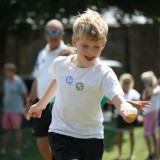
[87,50]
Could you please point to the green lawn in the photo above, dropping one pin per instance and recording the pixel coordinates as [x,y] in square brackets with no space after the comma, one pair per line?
[29,148]
[111,149]
[30,151]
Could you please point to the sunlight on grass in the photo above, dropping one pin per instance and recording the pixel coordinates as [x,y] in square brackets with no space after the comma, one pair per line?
[30,151]
[111,149]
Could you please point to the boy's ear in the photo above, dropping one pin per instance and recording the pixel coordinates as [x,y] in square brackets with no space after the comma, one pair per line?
[104,44]
[74,41]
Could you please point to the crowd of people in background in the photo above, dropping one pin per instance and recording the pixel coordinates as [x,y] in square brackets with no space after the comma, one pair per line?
[149,118]
[151,92]
[16,98]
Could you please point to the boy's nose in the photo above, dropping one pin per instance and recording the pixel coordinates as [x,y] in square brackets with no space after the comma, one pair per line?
[90,51]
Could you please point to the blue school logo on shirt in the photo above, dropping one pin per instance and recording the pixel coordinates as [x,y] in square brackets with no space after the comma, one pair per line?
[79,86]
[69,80]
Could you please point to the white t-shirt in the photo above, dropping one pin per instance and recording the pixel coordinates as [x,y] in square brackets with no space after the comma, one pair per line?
[77,112]
[13,100]
[132,95]
[43,63]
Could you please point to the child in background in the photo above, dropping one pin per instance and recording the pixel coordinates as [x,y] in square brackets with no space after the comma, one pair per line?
[127,83]
[15,93]
[79,82]
[151,92]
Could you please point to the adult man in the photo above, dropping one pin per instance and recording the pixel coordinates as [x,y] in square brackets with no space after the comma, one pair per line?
[54,34]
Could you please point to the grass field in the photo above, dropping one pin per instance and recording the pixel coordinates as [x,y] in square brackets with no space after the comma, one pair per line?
[30,152]
[111,149]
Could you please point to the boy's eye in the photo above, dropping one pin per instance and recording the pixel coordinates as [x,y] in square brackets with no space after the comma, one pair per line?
[85,46]
[97,47]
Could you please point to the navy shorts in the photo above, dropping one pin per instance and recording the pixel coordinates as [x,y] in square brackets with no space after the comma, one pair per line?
[70,148]
[123,124]
[41,125]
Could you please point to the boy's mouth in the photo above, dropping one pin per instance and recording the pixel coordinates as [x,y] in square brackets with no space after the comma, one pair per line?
[89,58]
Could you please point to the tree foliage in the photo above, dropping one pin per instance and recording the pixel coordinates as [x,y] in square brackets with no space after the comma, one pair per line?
[26,15]
[14,13]
[149,8]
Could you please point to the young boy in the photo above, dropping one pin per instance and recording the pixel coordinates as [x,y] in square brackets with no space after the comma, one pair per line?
[80,81]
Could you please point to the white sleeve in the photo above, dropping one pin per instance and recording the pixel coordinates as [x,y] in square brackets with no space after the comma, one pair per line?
[110,85]
[136,95]
[53,68]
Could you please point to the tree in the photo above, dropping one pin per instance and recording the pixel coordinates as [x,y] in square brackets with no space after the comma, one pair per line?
[148,8]
[20,15]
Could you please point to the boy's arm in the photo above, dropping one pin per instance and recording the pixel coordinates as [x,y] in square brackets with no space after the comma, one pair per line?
[36,109]
[123,108]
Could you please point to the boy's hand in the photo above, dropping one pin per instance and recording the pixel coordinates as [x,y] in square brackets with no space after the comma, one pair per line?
[35,111]
[130,114]
[127,118]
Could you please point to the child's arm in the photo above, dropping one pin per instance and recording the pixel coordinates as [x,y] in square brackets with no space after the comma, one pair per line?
[123,108]
[140,105]
[36,109]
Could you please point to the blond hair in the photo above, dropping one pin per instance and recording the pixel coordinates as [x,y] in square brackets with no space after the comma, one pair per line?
[126,77]
[92,25]
[149,78]
[10,66]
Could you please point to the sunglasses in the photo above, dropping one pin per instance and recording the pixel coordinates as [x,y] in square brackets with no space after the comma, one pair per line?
[53,32]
